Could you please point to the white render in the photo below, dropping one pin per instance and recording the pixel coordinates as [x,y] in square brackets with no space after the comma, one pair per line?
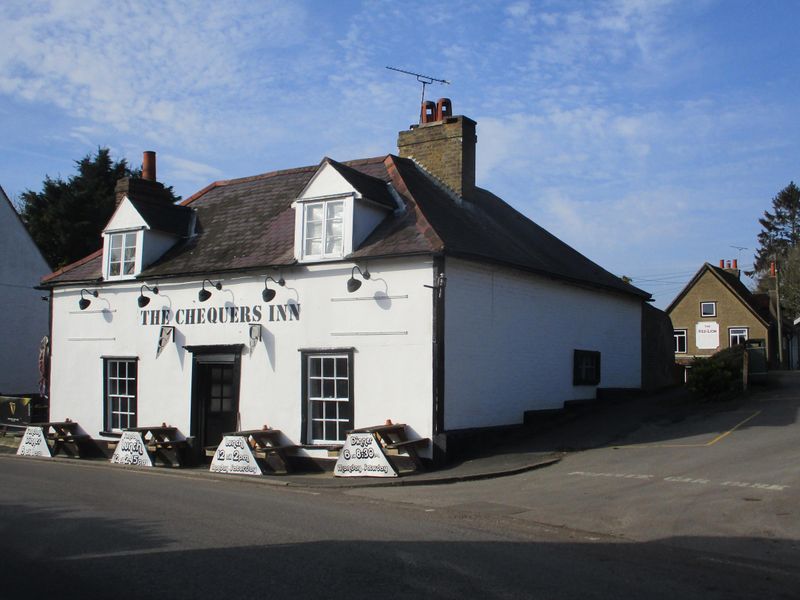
[510,338]
[25,315]
[388,322]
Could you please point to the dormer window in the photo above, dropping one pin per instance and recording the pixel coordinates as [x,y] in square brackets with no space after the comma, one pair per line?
[122,254]
[323,229]
[337,210]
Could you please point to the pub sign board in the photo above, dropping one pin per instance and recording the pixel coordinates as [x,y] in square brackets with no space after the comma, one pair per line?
[34,443]
[707,335]
[233,456]
[131,451]
[362,456]
[15,410]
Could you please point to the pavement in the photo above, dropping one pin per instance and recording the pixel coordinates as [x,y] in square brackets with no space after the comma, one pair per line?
[645,420]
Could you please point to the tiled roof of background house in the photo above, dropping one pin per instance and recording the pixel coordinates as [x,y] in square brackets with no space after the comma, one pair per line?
[757,303]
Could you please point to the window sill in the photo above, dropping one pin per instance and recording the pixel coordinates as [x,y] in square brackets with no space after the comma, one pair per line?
[114,434]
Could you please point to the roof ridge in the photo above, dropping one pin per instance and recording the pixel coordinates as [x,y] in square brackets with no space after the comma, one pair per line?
[268,174]
[362,161]
[237,180]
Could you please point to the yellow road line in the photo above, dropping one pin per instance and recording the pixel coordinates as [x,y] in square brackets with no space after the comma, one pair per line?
[722,435]
[711,443]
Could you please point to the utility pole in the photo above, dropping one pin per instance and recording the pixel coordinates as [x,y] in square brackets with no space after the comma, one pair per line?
[778,312]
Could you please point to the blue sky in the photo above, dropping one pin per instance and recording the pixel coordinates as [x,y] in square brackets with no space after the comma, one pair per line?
[649,135]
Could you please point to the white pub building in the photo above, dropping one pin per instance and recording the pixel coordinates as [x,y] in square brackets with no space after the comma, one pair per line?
[325,298]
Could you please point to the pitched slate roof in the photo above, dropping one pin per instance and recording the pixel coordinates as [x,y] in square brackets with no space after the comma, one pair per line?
[757,303]
[161,216]
[249,224]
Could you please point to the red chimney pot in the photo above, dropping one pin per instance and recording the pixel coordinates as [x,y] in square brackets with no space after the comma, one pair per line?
[722,263]
[444,109]
[149,165]
[428,112]
[735,263]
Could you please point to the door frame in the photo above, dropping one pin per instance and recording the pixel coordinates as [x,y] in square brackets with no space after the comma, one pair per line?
[200,355]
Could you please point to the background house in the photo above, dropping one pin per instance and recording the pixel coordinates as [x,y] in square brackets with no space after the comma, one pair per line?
[24,316]
[716,310]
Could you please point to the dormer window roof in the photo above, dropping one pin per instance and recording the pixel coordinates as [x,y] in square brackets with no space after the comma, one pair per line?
[139,232]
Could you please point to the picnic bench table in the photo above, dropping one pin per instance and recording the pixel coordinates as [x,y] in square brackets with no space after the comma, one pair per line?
[65,436]
[393,438]
[163,442]
[266,444]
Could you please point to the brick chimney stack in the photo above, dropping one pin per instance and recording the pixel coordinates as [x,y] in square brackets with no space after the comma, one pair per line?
[146,187]
[731,267]
[444,145]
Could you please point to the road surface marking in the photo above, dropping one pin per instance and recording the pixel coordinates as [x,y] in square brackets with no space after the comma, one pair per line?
[748,565]
[614,475]
[685,479]
[711,443]
[723,435]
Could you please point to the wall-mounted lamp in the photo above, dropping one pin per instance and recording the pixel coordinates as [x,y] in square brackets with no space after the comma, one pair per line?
[269,294]
[353,284]
[204,294]
[84,303]
[143,300]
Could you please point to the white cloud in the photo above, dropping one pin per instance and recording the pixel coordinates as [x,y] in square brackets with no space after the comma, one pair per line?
[140,66]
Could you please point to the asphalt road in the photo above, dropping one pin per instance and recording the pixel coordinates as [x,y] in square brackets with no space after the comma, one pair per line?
[719,483]
[85,530]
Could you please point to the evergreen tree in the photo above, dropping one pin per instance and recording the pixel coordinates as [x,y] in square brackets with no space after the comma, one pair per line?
[780,229]
[66,218]
[789,273]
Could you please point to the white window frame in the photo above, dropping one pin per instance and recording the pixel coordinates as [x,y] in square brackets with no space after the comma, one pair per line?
[327,206]
[335,403]
[134,262]
[677,334]
[120,388]
[746,331]
[713,308]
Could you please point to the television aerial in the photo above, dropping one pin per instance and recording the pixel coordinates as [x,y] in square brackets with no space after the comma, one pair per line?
[423,79]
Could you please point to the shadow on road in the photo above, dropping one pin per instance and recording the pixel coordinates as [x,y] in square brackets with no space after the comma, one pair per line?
[131,562]
[666,417]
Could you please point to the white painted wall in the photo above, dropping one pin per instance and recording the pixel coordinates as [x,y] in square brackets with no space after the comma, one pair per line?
[388,321]
[510,338]
[125,217]
[24,314]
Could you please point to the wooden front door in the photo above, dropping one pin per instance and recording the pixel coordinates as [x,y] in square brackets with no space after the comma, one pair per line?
[218,400]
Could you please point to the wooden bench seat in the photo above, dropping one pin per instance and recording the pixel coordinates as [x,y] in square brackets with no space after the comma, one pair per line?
[69,439]
[421,442]
[266,451]
[153,445]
